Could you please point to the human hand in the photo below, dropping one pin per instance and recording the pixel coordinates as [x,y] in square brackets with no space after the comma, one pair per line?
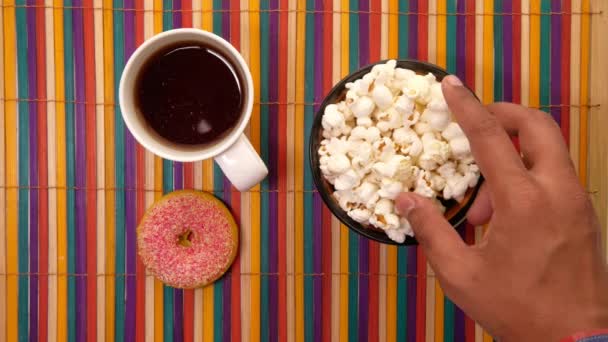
[538,273]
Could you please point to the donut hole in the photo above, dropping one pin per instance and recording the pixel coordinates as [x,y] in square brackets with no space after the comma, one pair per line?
[185,238]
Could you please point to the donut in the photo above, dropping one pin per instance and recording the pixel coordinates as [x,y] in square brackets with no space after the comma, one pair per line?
[187,239]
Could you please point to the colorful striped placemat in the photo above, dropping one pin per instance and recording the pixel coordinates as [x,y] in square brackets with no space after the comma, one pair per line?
[74,183]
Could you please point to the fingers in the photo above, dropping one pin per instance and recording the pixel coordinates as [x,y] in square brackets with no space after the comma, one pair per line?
[440,241]
[481,211]
[491,146]
[541,141]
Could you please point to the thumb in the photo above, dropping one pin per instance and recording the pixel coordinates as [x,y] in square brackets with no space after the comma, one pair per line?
[440,241]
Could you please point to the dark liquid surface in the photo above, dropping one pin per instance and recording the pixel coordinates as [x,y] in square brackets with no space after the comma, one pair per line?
[189,94]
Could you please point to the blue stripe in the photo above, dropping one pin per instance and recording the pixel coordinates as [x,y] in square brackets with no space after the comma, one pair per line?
[403,29]
[23,201]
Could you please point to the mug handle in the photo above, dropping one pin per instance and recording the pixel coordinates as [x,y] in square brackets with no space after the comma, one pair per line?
[242,164]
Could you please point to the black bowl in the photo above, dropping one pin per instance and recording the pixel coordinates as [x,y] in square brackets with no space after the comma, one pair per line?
[455,212]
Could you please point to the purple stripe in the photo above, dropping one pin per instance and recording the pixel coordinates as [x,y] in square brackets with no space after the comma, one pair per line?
[273,141]
[363,31]
[363,242]
[177,14]
[81,317]
[226,20]
[413,31]
[227,281]
[507,31]
[317,227]
[460,44]
[459,325]
[411,292]
[556,47]
[33,130]
[130,200]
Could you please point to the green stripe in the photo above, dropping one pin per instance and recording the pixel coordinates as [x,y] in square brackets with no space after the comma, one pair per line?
[498,52]
[167,187]
[70,168]
[448,314]
[218,186]
[404,26]
[119,147]
[264,149]
[451,37]
[402,294]
[353,238]
[545,55]
[23,202]
[308,196]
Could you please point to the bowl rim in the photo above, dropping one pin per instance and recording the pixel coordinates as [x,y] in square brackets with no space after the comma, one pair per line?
[320,183]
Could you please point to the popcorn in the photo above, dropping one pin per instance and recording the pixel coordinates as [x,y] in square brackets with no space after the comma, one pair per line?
[382,97]
[362,106]
[393,133]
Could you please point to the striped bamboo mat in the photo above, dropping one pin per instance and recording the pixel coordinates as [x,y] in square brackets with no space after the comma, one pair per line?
[74,183]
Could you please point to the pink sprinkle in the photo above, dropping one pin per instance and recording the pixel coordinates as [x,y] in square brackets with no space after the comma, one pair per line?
[210,230]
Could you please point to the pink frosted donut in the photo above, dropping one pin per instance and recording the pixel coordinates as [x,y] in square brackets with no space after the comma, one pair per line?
[188,239]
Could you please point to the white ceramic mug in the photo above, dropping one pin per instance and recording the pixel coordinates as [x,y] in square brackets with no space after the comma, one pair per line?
[233,152]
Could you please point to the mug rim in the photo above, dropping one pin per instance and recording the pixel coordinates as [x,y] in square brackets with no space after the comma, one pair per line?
[133,66]
[321,184]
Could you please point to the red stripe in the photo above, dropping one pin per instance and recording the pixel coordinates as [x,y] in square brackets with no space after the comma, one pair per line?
[423,34]
[517,52]
[91,172]
[282,171]
[140,204]
[469,324]
[374,33]
[469,23]
[188,294]
[565,81]
[43,235]
[235,198]
[186,17]
[374,269]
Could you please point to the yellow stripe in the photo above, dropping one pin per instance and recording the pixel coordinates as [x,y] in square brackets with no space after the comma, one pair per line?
[207,15]
[487,337]
[2,194]
[158,286]
[11,173]
[382,299]
[525,53]
[391,293]
[158,16]
[488,52]
[575,77]
[432,32]
[345,24]
[61,175]
[393,29]
[299,177]
[479,49]
[584,100]
[254,25]
[208,313]
[534,73]
[100,144]
[343,283]
[438,312]
[336,293]
[441,33]
[108,45]
[52,175]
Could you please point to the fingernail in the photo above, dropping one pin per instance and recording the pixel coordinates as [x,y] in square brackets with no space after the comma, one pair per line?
[453,80]
[404,205]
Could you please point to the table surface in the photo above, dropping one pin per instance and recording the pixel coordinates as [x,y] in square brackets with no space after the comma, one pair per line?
[74,183]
